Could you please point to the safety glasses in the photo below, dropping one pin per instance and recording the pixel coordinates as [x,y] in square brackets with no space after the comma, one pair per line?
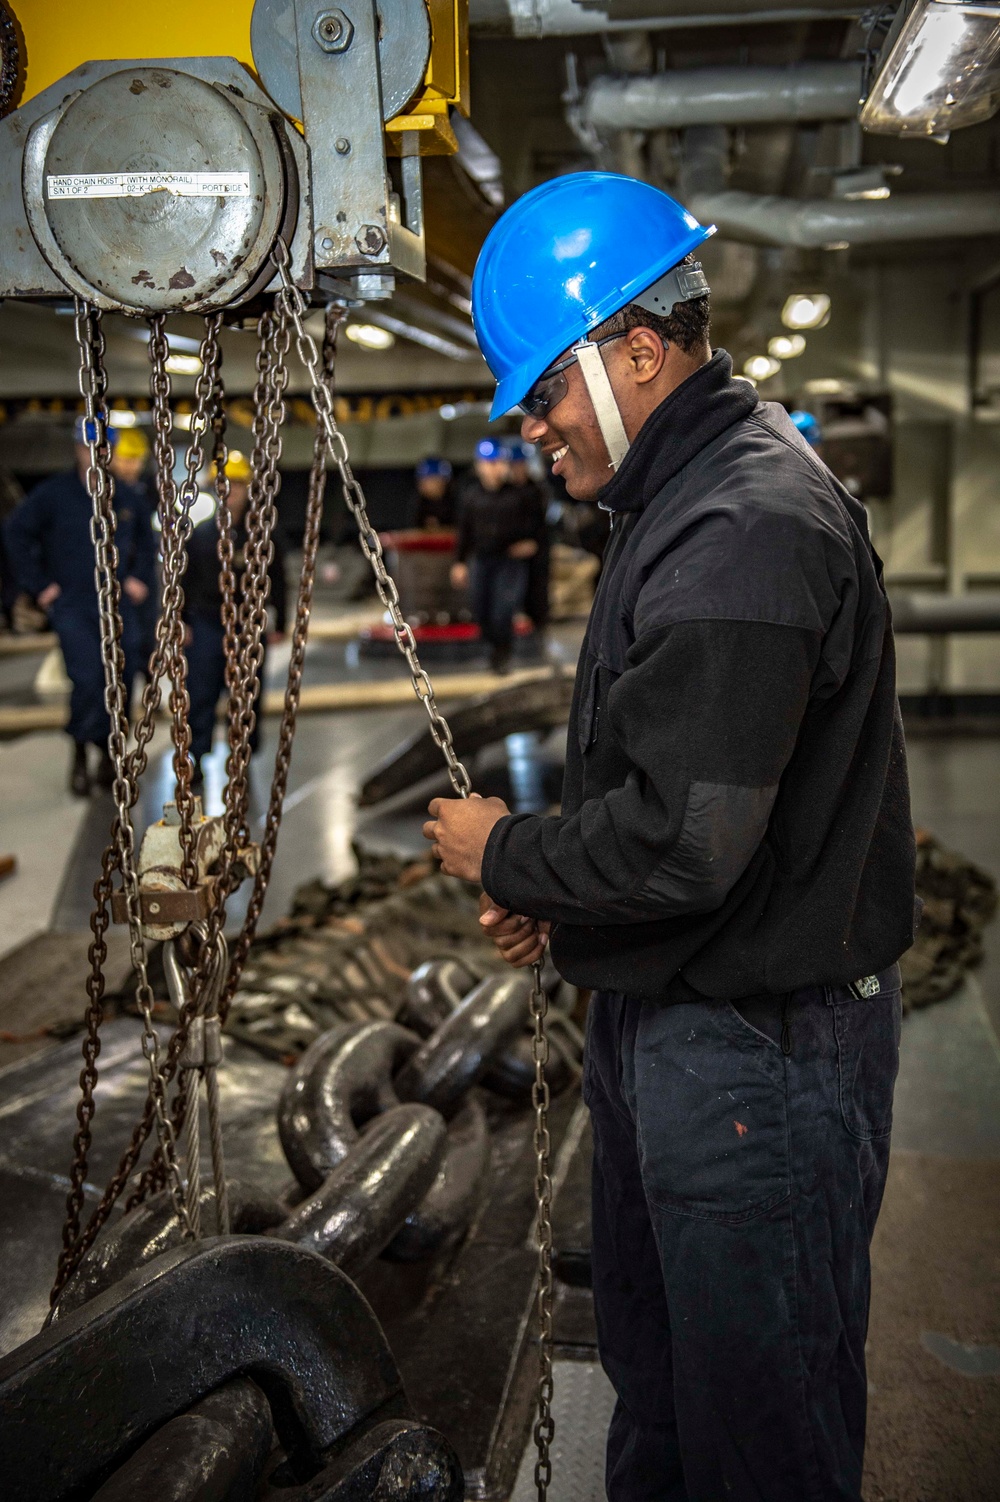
[552,385]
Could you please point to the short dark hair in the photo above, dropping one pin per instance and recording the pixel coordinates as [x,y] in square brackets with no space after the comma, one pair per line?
[687,324]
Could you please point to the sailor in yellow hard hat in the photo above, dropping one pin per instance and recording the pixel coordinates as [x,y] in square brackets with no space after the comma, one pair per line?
[203,609]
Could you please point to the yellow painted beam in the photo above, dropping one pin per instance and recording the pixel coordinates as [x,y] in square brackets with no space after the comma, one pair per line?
[59,35]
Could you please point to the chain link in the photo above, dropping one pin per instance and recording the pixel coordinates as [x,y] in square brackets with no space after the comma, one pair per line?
[371,546]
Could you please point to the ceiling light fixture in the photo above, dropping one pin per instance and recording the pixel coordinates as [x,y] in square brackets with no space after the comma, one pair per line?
[786,346]
[806,310]
[939,70]
[183,364]
[761,367]
[370,336]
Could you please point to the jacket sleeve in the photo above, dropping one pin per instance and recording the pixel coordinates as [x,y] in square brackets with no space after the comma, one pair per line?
[706,716]
[24,535]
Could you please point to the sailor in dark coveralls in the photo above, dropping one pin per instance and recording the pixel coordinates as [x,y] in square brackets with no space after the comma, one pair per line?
[52,558]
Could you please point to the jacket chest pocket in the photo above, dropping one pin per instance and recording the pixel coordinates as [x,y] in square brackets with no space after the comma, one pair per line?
[600,679]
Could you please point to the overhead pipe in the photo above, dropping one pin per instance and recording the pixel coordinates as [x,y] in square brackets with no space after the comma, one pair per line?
[680,98]
[546,18]
[813,223]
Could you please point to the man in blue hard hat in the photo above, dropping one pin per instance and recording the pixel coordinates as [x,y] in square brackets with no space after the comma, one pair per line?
[525,473]
[499,532]
[732,872]
[435,506]
[48,540]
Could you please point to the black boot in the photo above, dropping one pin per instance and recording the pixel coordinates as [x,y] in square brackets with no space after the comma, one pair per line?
[79,777]
[500,661]
[105,777]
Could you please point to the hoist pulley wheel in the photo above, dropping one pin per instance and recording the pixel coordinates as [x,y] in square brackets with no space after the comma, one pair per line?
[404,46]
[154,191]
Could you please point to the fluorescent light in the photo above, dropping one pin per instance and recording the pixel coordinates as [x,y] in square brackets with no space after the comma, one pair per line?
[368,336]
[786,346]
[806,310]
[761,367]
[448,411]
[183,364]
[941,73]
[825,386]
[122,419]
[862,182]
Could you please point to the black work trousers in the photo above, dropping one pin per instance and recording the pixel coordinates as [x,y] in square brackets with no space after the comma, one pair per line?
[737,1177]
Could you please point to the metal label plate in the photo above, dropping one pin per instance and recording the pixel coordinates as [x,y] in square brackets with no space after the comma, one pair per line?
[138,184]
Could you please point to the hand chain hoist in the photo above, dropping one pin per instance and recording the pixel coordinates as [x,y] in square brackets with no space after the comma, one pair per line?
[209,993]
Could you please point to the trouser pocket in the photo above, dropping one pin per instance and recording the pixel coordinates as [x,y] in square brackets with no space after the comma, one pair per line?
[867,1030]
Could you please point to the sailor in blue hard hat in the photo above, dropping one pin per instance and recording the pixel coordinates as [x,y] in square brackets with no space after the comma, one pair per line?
[434,503]
[808,426]
[731,872]
[499,532]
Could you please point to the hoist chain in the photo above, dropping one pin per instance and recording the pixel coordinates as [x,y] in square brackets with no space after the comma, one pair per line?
[100,486]
[371,546]
[544,1424]
[293,689]
[243,646]
[129,770]
[369,539]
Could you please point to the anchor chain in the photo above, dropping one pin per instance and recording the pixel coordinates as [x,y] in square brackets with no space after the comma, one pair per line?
[458,774]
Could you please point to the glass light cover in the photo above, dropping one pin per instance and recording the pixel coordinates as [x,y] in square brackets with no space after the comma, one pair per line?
[941,74]
[761,367]
[806,310]
[370,336]
[786,346]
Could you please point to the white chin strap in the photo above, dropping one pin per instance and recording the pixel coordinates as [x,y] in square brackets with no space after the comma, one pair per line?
[602,398]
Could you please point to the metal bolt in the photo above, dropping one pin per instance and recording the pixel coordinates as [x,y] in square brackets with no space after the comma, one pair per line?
[324,240]
[342,145]
[370,240]
[154,907]
[333,31]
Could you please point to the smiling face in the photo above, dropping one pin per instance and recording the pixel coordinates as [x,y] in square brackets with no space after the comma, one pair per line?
[642,373]
[569,435]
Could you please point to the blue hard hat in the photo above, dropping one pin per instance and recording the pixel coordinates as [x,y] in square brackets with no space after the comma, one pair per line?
[82,435]
[561,260]
[808,426]
[520,451]
[432,466]
[492,448]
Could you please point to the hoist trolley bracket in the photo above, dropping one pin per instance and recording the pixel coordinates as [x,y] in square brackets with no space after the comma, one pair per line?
[166,905]
[160,182]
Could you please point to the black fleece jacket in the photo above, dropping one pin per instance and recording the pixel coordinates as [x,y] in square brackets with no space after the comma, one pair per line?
[735,815]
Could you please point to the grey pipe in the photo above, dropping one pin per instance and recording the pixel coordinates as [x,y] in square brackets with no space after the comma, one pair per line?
[941,615]
[813,223]
[544,18]
[724,96]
